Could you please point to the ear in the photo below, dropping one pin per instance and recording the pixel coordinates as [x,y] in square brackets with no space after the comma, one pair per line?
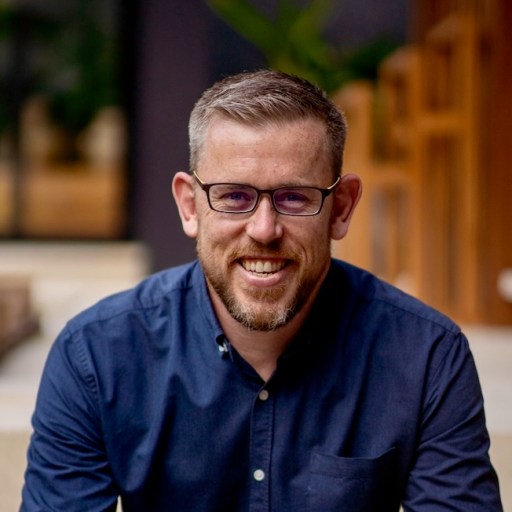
[183,192]
[346,197]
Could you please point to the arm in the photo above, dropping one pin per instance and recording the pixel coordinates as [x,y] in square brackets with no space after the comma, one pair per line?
[452,470]
[67,464]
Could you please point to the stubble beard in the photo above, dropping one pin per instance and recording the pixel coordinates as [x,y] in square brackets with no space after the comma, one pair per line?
[260,309]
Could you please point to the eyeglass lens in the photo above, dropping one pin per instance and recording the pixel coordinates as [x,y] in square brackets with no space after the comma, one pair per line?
[242,198]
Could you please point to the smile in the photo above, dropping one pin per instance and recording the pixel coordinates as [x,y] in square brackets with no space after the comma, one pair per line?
[263,266]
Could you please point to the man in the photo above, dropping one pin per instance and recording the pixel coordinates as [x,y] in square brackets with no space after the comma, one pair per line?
[265,376]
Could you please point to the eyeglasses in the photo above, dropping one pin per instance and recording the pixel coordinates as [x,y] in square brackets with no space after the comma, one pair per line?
[239,198]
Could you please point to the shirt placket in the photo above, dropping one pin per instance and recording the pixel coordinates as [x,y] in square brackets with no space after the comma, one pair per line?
[261,451]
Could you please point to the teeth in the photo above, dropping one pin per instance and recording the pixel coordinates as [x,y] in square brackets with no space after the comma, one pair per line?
[263,267]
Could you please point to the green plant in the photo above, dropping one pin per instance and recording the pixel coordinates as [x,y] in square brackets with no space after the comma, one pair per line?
[81,74]
[293,40]
[74,63]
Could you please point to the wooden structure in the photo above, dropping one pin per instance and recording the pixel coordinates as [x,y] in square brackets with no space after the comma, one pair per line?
[432,143]
[46,194]
[75,202]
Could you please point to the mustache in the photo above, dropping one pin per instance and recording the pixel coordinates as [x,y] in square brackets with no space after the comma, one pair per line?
[274,249]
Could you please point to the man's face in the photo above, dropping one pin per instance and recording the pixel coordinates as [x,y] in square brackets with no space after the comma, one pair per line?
[264,266]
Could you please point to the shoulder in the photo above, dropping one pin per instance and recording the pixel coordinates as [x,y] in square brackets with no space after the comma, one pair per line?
[136,328]
[412,343]
[156,291]
[390,325]
[380,299]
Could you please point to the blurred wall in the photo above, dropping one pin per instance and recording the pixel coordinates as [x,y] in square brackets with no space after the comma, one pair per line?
[170,72]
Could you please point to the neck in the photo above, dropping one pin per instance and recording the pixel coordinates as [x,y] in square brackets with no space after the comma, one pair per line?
[261,349]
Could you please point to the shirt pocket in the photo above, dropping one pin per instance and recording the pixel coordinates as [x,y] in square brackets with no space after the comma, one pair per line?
[353,484]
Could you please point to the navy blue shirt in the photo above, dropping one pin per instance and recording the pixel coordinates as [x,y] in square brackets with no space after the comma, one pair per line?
[375,404]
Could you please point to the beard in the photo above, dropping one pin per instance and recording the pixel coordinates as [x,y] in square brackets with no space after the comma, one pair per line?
[263,311]
[260,309]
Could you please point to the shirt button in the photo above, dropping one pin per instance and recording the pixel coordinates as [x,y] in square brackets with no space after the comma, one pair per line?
[259,475]
[263,395]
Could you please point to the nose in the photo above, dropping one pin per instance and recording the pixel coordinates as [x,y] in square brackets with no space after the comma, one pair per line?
[264,225]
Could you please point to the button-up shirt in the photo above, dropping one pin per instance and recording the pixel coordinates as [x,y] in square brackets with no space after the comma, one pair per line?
[375,404]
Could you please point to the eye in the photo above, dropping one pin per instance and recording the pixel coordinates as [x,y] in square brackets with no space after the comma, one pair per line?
[232,197]
[241,195]
[298,200]
[292,197]
[236,196]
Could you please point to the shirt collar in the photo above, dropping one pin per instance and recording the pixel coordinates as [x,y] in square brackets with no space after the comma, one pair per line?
[205,307]
[324,315]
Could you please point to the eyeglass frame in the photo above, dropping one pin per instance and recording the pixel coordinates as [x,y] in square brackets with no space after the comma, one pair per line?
[324,191]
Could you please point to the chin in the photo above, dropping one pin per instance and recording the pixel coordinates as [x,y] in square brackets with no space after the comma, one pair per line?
[265,312]
[262,321]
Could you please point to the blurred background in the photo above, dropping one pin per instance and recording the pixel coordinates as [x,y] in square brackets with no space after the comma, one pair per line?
[94,103]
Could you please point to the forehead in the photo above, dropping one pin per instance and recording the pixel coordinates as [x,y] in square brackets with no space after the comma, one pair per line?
[297,146]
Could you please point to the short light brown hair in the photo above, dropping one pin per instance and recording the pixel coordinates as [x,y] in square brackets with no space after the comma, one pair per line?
[261,97]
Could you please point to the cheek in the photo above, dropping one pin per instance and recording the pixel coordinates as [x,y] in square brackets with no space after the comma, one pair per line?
[215,233]
[320,232]
[315,244]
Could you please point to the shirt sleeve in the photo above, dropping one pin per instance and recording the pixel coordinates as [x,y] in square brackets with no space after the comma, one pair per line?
[67,464]
[452,470]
